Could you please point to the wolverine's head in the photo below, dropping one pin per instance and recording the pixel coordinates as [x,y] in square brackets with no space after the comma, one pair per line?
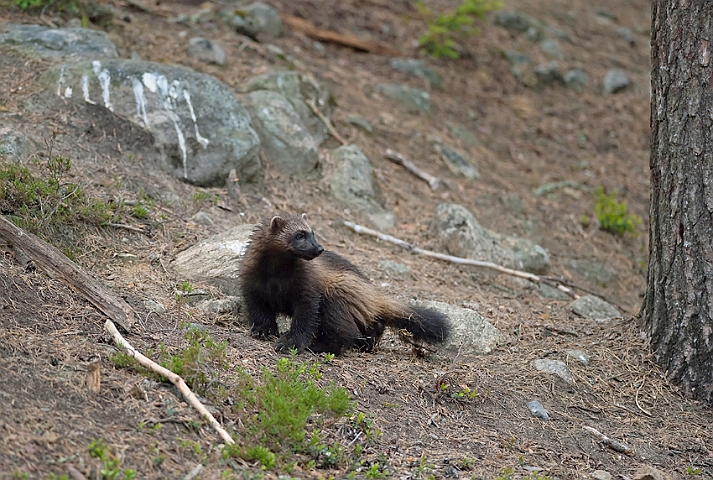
[297,235]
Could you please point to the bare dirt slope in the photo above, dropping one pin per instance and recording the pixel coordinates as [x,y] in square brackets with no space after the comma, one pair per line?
[530,137]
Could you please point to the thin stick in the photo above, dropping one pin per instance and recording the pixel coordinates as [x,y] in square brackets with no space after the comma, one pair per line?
[636,399]
[127,227]
[330,128]
[399,159]
[172,377]
[441,256]
[193,473]
[608,442]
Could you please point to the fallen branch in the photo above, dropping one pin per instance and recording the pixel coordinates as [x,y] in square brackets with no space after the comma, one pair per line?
[608,442]
[441,256]
[51,260]
[399,159]
[310,30]
[172,377]
[330,128]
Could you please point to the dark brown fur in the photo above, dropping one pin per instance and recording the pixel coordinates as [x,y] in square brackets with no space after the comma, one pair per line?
[332,304]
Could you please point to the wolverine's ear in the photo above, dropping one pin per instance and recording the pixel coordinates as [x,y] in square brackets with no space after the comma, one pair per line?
[276,223]
[304,217]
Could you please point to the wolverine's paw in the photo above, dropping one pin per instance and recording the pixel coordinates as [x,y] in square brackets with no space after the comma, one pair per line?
[288,342]
[264,333]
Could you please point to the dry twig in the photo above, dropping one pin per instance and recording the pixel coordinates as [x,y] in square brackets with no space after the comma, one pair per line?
[399,159]
[330,128]
[127,227]
[172,377]
[608,442]
[310,30]
[441,256]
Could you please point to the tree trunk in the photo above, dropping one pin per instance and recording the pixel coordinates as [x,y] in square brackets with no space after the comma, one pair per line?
[678,306]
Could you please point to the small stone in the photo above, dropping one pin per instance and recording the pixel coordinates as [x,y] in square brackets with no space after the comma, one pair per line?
[319,48]
[594,307]
[73,23]
[100,14]
[537,410]
[202,218]
[627,35]
[548,73]
[415,99]
[516,21]
[412,66]
[602,475]
[206,51]
[580,355]
[615,81]
[555,367]
[516,58]
[394,269]
[360,122]
[253,20]
[222,306]
[457,162]
[646,472]
[551,293]
[193,326]
[552,48]
[463,134]
[575,79]
[232,185]
[155,307]
[534,34]
[592,271]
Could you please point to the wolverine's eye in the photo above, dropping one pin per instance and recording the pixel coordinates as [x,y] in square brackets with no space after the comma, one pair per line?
[300,236]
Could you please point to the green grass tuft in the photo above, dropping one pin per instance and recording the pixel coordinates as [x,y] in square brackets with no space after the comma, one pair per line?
[612,215]
[443,29]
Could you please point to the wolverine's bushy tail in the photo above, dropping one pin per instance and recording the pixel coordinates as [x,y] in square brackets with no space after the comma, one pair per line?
[425,324]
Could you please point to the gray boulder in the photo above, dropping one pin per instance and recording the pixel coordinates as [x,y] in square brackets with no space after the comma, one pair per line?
[59,43]
[287,143]
[471,333]
[353,184]
[15,146]
[216,260]
[594,307]
[299,89]
[198,126]
[253,20]
[461,235]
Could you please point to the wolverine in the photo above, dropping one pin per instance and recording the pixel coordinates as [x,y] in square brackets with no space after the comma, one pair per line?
[332,304]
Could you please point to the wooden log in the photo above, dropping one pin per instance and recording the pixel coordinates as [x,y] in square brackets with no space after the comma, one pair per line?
[52,261]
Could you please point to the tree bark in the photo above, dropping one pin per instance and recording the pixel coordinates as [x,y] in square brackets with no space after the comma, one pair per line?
[678,306]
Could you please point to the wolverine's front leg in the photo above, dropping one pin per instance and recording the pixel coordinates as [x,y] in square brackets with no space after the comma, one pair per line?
[262,320]
[303,329]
